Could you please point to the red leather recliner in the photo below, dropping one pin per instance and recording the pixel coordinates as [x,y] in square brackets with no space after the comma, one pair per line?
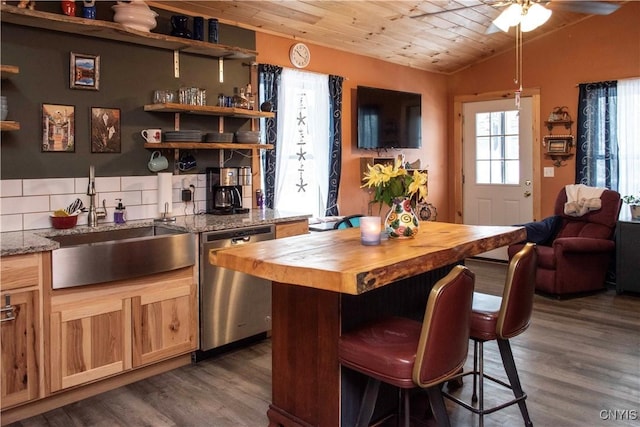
[579,256]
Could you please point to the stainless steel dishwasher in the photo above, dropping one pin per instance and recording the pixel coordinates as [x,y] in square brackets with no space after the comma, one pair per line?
[233,305]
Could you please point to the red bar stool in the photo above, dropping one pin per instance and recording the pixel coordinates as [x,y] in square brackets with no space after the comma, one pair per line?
[501,318]
[409,354]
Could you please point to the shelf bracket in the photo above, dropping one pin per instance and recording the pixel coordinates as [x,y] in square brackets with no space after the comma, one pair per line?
[176,64]
[220,70]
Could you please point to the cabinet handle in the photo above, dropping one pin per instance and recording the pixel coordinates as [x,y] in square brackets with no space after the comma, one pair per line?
[7,310]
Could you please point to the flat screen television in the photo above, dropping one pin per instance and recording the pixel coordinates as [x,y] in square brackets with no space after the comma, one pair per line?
[388,118]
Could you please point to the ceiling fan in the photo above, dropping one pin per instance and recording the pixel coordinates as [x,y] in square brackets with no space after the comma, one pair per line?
[538,11]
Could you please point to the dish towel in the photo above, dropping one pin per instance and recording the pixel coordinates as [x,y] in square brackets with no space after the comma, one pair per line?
[582,199]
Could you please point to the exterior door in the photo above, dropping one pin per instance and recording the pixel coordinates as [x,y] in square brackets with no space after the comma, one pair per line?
[497,161]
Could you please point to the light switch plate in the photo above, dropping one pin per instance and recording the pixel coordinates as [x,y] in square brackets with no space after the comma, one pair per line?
[548,172]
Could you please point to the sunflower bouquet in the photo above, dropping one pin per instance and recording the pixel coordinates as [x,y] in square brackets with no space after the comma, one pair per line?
[393,183]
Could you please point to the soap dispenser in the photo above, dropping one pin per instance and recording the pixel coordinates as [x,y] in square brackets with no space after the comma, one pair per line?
[118,214]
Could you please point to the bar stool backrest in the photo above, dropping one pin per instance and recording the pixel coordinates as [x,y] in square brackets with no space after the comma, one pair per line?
[517,297]
[444,338]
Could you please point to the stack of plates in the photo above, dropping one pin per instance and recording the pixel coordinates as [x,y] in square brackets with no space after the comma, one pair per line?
[183,136]
[219,137]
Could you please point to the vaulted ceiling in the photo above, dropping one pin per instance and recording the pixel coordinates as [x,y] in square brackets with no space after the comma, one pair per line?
[449,40]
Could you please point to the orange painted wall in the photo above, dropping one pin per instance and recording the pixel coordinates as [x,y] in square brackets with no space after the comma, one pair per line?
[596,49]
[361,70]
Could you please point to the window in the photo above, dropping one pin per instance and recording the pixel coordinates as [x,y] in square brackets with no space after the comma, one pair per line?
[302,165]
[497,148]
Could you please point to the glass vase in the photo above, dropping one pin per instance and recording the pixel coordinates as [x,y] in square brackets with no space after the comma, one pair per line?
[401,222]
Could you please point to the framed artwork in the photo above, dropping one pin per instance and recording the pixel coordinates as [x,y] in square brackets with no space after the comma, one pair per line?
[84,71]
[58,128]
[558,144]
[105,130]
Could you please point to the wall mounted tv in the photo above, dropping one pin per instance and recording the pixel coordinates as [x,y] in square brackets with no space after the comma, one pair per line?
[388,118]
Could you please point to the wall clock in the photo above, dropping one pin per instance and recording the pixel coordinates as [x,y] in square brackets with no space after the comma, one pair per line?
[299,55]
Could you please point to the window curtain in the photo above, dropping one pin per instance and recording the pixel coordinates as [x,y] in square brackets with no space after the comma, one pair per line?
[629,136]
[597,145]
[302,167]
[335,163]
[269,80]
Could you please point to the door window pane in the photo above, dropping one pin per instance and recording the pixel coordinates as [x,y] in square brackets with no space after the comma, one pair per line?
[497,147]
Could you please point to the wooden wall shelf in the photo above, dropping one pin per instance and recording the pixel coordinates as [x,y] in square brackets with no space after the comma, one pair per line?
[566,123]
[114,31]
[7,71]
[207,146]
[207,110]
[9,126]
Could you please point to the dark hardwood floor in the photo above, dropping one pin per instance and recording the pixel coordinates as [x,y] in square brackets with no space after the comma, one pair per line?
[579,363]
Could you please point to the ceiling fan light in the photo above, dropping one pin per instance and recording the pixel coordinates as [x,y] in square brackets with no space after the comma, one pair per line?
[509,17]
[536,16]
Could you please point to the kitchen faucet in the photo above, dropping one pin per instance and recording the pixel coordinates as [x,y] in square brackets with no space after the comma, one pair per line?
[94,214]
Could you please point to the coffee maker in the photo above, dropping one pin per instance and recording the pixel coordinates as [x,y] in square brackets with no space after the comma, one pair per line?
[224,195]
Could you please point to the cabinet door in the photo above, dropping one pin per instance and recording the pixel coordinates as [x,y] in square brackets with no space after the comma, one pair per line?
[90,339]
[19,335]
[164,322]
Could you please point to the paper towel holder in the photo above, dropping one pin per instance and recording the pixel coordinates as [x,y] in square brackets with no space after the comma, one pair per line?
[165,216]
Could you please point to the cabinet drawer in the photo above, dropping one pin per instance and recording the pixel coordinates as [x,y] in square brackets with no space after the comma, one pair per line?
[19,271]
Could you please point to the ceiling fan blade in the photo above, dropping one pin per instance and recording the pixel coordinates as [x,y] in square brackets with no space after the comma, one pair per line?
[492,29]
[588,7]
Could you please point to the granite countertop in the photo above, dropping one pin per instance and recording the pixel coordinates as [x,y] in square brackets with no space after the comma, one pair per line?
[30,241]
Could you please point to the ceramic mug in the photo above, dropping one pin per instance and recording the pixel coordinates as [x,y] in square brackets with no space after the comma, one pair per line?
[187,162]
[157,162]
[152,135]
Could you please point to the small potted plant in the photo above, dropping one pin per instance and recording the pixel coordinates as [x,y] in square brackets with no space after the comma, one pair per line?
[634,205]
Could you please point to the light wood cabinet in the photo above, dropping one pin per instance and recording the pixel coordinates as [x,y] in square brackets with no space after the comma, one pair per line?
[19,349]
[20,326]
[103,330]
[164,323]
[89,340]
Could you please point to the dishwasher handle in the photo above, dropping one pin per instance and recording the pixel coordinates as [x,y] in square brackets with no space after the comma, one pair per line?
[240,240]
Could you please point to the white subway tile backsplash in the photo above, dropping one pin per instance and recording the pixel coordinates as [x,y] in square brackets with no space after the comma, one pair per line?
[10,223]
[105,184]
[26,204]
[38,220]
[149,197]
[13,205]
[131,183]
[47,186]
[11,188]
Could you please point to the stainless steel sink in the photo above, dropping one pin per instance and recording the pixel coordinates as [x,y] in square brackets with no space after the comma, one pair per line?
[105,256]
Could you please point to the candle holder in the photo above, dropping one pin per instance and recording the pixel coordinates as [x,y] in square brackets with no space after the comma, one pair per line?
[370,227]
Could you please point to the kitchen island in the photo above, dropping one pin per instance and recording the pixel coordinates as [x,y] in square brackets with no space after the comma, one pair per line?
[327,283]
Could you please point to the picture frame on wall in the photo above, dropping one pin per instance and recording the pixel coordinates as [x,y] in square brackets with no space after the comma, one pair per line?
[558,144]
[105,130]
[58,128]
[84,71]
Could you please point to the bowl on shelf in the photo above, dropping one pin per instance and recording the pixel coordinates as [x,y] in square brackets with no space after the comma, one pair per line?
[248,137]
[62,222]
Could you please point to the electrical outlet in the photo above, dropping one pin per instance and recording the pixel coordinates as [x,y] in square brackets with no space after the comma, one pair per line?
[186,183]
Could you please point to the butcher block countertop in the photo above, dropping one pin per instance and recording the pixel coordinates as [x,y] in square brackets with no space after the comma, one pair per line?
[337,261]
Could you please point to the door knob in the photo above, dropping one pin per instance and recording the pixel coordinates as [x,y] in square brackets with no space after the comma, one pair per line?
[527,193]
